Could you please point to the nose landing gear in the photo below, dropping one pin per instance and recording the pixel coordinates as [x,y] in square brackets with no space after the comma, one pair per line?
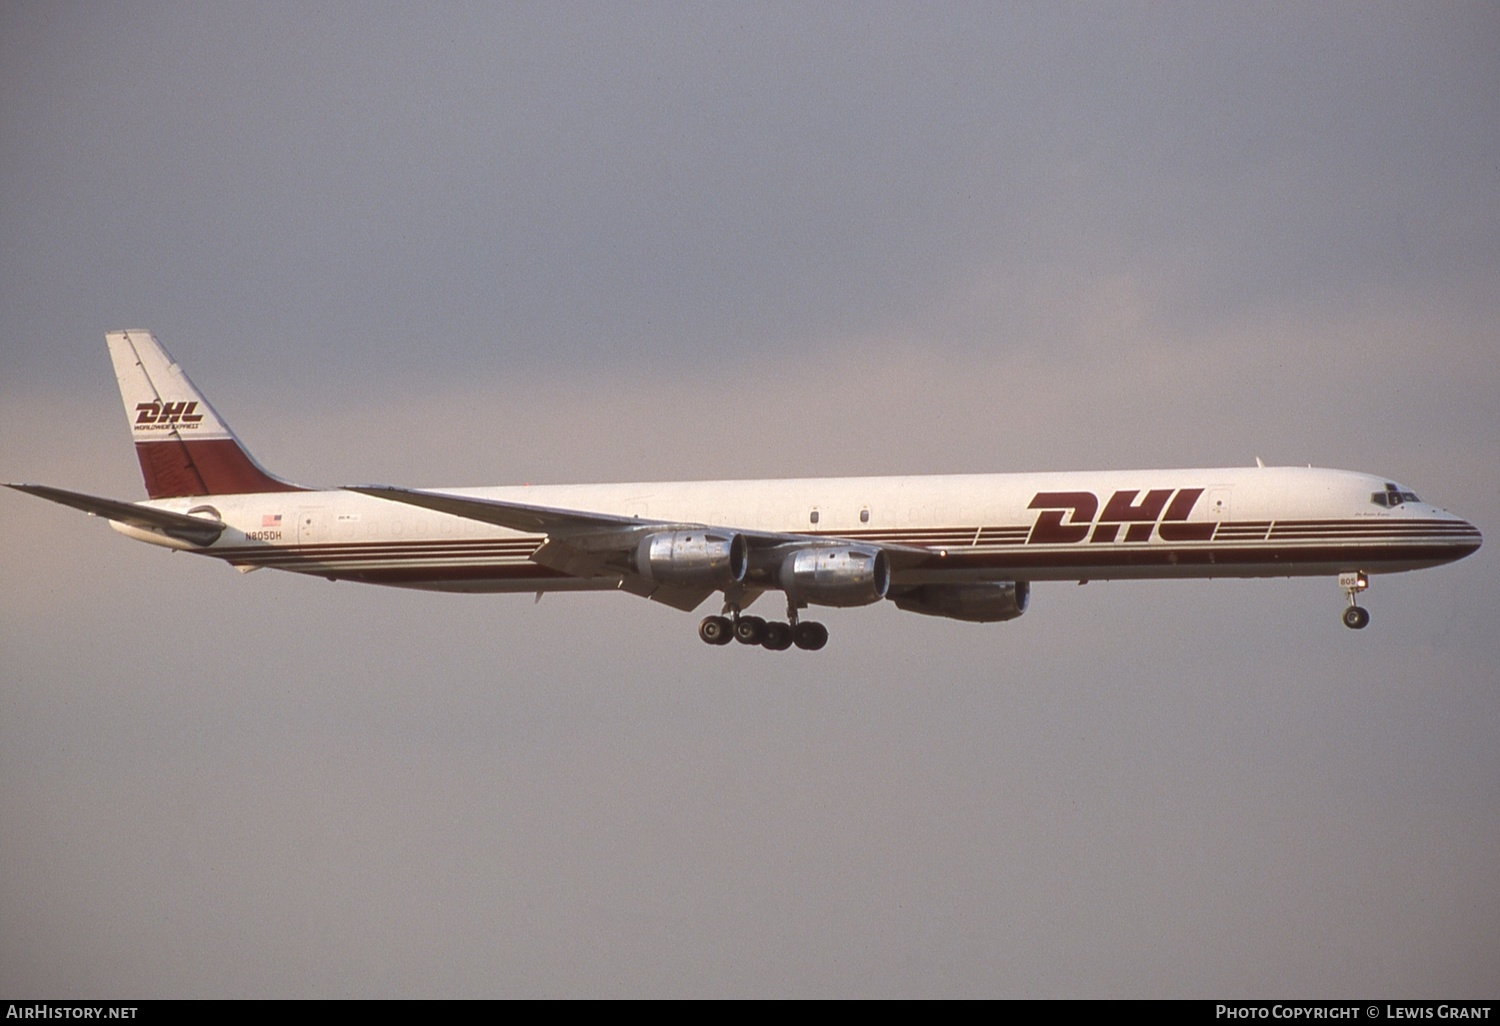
[1355,617]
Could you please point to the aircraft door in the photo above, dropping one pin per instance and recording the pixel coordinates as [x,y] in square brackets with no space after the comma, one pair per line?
[312,526]
[1219,505]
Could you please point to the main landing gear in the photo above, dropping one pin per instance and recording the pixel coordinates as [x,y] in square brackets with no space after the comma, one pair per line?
[1355,617]
[752,630]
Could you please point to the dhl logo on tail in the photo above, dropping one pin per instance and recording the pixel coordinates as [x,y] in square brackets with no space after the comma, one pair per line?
[159,414]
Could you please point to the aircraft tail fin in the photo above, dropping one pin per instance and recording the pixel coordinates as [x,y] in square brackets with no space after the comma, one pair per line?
[184,446]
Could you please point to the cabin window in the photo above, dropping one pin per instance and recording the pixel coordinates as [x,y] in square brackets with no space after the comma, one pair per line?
[812,518]
[864,515]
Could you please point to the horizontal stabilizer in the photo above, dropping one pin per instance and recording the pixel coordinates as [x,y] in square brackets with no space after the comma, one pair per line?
[178,525]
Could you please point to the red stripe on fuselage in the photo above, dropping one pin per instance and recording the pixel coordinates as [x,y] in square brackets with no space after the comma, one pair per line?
[437,562]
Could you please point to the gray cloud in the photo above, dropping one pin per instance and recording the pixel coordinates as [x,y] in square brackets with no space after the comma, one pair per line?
[468,245]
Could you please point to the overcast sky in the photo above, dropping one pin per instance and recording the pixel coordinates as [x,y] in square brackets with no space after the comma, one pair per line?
[482,244]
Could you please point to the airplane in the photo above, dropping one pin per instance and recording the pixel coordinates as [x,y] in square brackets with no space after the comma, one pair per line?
[965,547]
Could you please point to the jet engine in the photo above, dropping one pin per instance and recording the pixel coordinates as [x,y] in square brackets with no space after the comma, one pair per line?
[835,575]
[977,603]
[711,559]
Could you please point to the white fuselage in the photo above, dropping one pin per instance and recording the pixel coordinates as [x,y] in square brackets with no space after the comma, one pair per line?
[1225,522]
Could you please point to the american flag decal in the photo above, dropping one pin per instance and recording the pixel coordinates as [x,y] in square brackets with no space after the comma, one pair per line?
[271,520]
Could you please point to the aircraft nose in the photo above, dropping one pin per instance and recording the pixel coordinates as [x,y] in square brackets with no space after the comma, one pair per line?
[1466,537]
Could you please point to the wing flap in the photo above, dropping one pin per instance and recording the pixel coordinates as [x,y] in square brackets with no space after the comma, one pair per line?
[686,599]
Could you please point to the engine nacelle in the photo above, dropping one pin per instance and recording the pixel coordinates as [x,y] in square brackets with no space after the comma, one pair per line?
[977,603]
[835,575]
[710,559]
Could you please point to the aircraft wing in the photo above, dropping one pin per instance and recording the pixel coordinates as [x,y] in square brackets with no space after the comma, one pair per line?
[518,516]
[587,544]
[178,525]
[601,530]
[579,543]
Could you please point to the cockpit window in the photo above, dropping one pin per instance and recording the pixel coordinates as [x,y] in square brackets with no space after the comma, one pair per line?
[1393,496]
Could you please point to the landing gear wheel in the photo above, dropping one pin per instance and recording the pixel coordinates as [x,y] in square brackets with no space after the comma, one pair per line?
[715,630]
[749,630]
[810,636]
[1353,582]
[777,637]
